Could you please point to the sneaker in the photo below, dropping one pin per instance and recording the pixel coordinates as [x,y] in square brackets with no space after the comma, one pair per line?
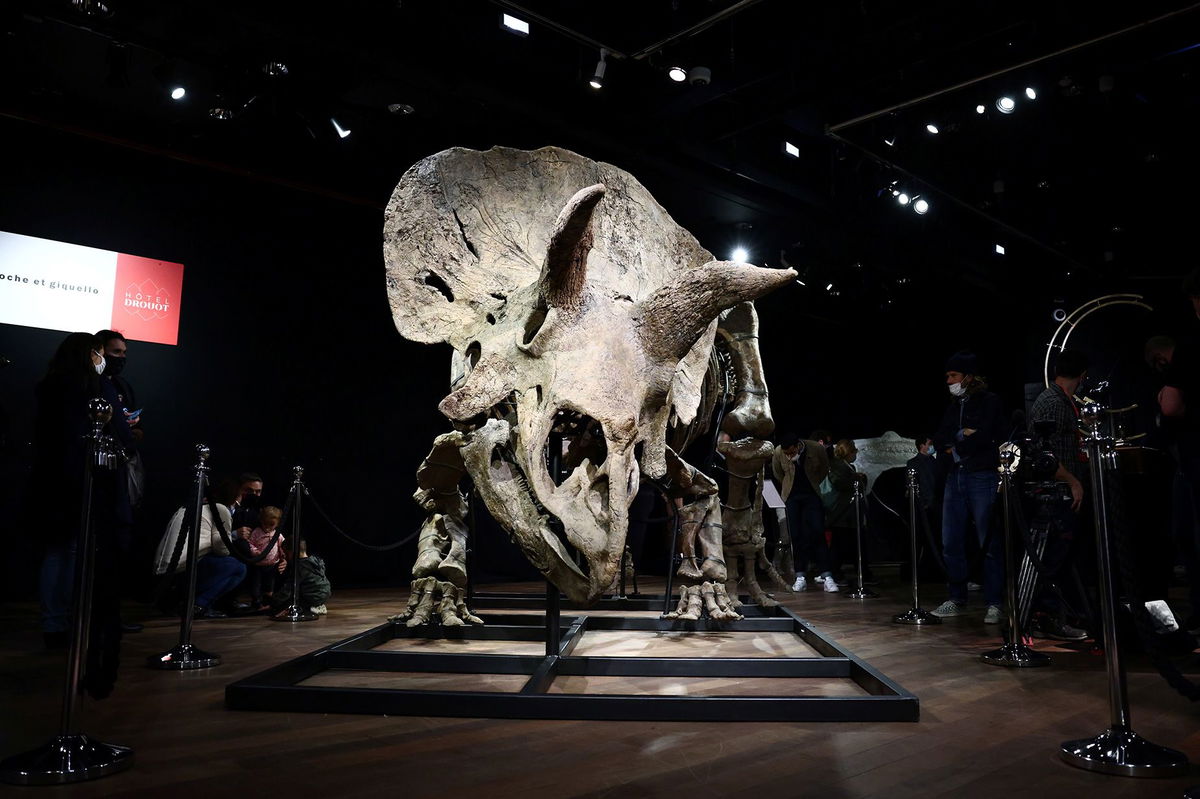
[801,583]
[974,587]
[993,615]
[1048,627]
[830,584]
[320,610]
[948,608]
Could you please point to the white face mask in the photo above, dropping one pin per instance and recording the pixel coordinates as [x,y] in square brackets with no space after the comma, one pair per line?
[100,366]
[957,389]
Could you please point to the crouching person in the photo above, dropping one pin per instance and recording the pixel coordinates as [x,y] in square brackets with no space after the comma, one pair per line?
[217,571]
[314,585]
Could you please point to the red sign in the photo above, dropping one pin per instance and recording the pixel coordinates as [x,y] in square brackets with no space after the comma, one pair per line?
[146,299]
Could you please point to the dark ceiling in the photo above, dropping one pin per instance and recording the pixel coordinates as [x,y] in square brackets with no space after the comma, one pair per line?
[1091,181]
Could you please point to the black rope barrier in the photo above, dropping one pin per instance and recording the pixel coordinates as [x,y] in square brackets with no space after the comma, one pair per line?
[229,544]
[352,539]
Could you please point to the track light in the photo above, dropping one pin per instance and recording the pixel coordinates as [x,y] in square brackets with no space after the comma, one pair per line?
[341,132]
[920,206]
[677,74]
[1006,105]
[514,25]
[597,79]
[979,109]
[1030,92]
[890,142]
[932,128]
[902,199]
[999,249]
[178,93]
[791,149]
[740,255]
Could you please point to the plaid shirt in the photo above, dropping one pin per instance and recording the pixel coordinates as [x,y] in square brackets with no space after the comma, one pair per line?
[1053,404]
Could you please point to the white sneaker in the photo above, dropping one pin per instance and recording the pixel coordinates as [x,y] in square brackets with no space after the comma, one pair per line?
[320,610]
[993,615]
[831,586]
[974,587]
[948,608]
[801,583]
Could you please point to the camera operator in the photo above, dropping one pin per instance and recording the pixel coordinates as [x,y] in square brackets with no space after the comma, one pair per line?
[1054,420]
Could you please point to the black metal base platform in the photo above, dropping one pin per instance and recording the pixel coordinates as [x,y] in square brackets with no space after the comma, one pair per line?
[280,688]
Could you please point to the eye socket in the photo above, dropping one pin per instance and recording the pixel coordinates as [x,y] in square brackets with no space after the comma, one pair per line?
[533,325]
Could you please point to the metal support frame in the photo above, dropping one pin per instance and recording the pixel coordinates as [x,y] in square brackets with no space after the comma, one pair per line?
[1118,750]
[914,615]
[1013,653]
[280,688]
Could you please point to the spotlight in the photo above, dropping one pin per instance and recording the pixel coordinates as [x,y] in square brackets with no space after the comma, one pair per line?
[92,8]
[902,199]
[275,69]
[890,142]
[1030,92]
[979,109]
[829,287]
[791,149]
[341,132]
[999,249]
[220,113]
[178,93]
[1059,315]
[921,206]
[511,23]
[739,254]
[699,76]
[597,79]
[932,128]
[677,74]
[1006,105]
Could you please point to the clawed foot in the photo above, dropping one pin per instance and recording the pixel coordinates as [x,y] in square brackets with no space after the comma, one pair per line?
[708,599]
[431,595]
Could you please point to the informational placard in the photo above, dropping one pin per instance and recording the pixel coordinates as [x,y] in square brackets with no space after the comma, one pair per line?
[60,286]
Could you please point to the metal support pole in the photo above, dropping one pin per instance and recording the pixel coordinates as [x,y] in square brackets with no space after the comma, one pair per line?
[914,615]
[1117,750]
[71,756]
[296,611]
[553,620]
[860,592]
[184,655]
[1013,653]
[470,553]
[671,554]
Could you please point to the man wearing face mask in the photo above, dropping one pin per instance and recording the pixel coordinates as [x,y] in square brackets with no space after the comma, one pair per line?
[970,435]
[115,353]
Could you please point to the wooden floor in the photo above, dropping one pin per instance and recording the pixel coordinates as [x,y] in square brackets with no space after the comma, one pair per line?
[984,731]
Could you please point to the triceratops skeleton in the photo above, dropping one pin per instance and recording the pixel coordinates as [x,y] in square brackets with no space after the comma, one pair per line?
[574,304]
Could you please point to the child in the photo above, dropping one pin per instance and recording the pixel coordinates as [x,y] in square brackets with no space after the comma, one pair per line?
[263,576]
[314,585]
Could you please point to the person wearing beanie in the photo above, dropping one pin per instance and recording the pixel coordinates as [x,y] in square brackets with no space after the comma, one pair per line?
[970,435]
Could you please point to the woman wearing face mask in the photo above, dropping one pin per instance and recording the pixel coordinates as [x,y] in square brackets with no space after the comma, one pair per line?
[970,435]
[55,497]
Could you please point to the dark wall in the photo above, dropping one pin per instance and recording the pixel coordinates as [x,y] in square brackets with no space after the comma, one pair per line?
[287,354]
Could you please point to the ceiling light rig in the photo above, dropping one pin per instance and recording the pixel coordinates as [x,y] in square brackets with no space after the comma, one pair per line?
[341,132]
[597,79]
[791,149]
[275,69]
[1006,105]
[921,206]
[1031,92]
[178,93]
[677,74]
[979,109]
[932,128]
[514,25]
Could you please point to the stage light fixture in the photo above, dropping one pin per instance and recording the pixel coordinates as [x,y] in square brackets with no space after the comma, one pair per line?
[699,76]
[740,255]
[902,198]
[979,109]
[1031,92]
[829,287]
[999,249]
[1059,315]
[514,25]
[341,132]
[932,128]
[92,8]
[275,69]
[791,149]
[921,206]
[220,113]
[677,74]
[597,79]
[401,109]
[1006,105]
[178,93]
[890,142]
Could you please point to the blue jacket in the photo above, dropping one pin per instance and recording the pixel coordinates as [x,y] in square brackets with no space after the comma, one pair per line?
[981,411]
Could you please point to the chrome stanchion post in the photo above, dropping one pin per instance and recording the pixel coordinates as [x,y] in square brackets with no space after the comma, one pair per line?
[861,592]
[1013,653]
[296,611]
[1118,750]
[71,756]
[184,655]
[914,615]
